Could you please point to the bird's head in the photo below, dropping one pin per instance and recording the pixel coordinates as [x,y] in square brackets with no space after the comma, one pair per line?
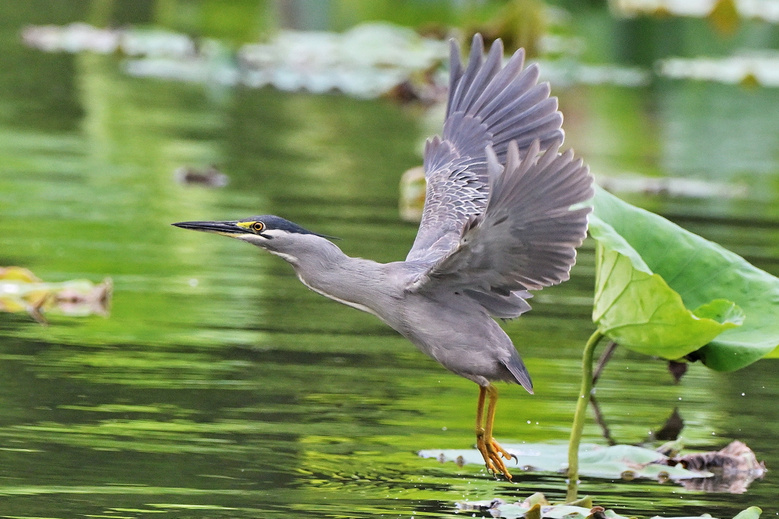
[272,233]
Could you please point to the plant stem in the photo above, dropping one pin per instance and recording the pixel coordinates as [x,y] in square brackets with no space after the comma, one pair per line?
[604,359]
[579,415]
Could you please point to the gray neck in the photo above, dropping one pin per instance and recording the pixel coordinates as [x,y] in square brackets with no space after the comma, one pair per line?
[355,282]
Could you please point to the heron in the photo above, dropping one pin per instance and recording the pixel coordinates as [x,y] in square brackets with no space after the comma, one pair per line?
[503,216]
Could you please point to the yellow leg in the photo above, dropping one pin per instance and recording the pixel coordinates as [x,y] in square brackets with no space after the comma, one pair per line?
[490,450]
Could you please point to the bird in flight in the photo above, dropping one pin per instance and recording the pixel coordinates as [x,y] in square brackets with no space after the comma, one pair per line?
[503,216]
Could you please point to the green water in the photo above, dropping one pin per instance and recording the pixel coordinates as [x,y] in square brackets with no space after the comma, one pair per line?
[221,387]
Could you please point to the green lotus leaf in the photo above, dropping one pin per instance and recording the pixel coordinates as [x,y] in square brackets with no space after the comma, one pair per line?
[661,290]
[638,310]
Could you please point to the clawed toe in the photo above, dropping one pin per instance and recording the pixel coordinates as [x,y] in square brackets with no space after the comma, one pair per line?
[494,455]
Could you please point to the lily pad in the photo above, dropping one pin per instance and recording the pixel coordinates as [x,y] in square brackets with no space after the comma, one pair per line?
[536,506]
[500,508]
[661,290]
[366,61]
[596,461]
[745,68]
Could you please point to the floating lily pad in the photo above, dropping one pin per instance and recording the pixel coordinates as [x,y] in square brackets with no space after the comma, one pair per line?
[661,290]
[531,509]
[537,507]
[700,9]
[596,461]
[754,68]
[366,61]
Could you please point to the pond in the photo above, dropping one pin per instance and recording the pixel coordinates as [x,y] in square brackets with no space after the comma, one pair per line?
[219,386]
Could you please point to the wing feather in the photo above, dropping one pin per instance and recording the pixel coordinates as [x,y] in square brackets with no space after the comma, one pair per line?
[483,76]
[489,105]
[526,238]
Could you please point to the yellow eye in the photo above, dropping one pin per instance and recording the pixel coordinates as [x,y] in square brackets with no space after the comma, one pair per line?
[258,226]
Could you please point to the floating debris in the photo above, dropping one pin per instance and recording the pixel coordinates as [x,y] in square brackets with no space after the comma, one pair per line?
[735,467]
[209,176]
[753,68]
[22,291]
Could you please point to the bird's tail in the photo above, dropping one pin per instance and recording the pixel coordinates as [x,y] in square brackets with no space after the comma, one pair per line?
[519,371]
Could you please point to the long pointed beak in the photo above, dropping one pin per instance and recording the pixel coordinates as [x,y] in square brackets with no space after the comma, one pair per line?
[226,228]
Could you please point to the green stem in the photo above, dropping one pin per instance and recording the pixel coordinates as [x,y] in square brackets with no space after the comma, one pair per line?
[579,415]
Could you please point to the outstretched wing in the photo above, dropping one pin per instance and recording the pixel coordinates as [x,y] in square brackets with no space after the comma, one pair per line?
[527,236]
[488,106]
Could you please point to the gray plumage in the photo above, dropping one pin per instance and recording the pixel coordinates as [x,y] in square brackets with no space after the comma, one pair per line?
[498,221]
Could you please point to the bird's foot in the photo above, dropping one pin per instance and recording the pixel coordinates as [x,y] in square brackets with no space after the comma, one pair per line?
[493,455]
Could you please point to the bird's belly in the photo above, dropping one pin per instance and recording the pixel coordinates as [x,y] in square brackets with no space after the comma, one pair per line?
[470,344]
